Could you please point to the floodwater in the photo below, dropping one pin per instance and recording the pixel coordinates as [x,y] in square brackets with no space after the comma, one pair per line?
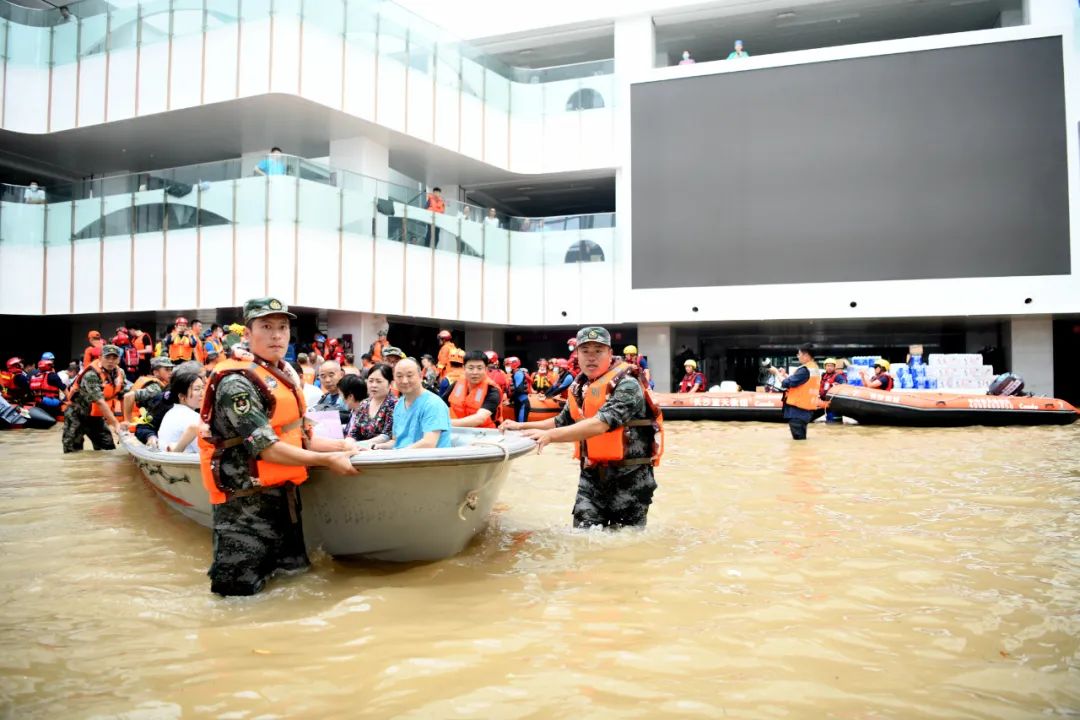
[870,572]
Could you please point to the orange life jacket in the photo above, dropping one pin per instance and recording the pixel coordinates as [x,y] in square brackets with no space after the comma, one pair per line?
[443,363]
[455,374]
[285,406]
[7,383]
[217,345]
[805,396]
[144,345]
[136,411]
[111,390]
[41,388]
[466,401]
[180,347]
[200,350]
[376,350]
[436,203]
[610,448]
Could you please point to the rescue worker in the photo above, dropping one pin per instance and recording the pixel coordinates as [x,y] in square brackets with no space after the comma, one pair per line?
[318,348]
[474,400]
[144,346]
[129,354]
[881,379]
[215,341]
[541,379]
[377,347]
[572,359]
[563,380]
[617,430]
[632,357]
[692,381]
[334,351]
[180,344]
[94,402]
[95,342]
[429,376]
[831,376]
[454,372]
[801,393]
[200,341]
[15,383]
[255,457]
[147,389]
[496,373]
[48,387]
[392,356]
[446,346]
[520,384]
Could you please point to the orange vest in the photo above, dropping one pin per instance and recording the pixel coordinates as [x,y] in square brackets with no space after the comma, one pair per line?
[200,351]
[110,390]
[610,447]
[444,358]
[455,374]
[180,347]
[805,396]
[436,203]
[286,406]
[377,348]
[464,401]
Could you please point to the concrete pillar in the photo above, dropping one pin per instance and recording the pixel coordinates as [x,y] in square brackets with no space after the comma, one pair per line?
[362,326]
[654,342]
[1031,352]
[635,55]
[361,155]
[1055,13]
[1011,18]
[481,338]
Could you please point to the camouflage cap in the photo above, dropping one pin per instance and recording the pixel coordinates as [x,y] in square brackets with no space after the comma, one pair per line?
[160,362]
[110,350]
[261,307]
[393,351]
[595,334]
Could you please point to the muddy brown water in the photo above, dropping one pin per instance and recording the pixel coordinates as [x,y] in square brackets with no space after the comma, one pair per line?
[870,572]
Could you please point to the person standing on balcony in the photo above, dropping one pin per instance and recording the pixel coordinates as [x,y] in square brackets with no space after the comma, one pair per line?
[273,164]
[435,201]
[738,52]
[34,195]
[686,59]
[492,220]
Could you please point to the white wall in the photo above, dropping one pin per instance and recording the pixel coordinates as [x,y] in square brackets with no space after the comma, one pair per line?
[1031,353]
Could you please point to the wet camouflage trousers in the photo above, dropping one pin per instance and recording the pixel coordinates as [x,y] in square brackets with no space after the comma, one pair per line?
[614,498]
[255,536]
[77,425]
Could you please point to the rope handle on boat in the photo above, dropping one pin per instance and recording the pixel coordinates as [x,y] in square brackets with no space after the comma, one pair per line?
[472,498]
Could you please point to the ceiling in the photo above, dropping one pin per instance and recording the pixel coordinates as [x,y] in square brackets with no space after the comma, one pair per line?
[552,47]
[579,195]
[709,35]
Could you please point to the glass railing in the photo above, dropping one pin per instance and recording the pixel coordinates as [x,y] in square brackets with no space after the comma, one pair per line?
[279,191]
[390,39]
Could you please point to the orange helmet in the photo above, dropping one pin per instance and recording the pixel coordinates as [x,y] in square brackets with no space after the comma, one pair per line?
[445,335]
[120,339]
[14,362]
[562,364]
[513,362]
[333,342]
[44,365]
[181,320]
[458,356]
[492,357]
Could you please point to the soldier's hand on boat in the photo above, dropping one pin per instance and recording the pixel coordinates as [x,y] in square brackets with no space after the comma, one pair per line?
[152,443]
[542,438]
[341,463]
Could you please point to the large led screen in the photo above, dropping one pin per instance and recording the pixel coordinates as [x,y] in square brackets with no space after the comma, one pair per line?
[934,164]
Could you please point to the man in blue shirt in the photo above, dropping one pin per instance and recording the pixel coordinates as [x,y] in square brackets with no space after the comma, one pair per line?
[273,164]
[421,418]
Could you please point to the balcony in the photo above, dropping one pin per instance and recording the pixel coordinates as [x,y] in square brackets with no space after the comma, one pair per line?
[211,236]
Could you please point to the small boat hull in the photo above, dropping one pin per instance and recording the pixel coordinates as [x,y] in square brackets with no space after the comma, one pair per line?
[540,408]
[38,420]
[930,409]
[405,506]
[724,406]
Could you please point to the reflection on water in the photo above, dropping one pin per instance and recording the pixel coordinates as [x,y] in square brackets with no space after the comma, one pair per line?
[869,572]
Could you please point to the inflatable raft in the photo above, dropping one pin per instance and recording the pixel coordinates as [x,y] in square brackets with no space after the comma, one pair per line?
[727,406]
[24,418]
[405,506]
[540,408]
[931,409]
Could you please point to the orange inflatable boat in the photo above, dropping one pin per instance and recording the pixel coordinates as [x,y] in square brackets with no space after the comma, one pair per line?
[933,409]
[747,406]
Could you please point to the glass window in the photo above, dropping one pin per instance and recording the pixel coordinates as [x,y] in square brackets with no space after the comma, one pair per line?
[92,35]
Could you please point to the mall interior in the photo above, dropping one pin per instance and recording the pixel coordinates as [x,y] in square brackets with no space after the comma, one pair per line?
[865,175]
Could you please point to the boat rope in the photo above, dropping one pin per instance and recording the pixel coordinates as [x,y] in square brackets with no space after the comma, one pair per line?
[472,498]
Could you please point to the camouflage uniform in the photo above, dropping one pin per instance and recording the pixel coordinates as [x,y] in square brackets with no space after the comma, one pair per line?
[257,531]
[617,496]
[78,421]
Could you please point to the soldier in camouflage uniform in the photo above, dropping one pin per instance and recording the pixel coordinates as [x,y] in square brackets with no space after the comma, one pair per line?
[148,388]
[257,529]
[154,404]
[79,420]
[616,494]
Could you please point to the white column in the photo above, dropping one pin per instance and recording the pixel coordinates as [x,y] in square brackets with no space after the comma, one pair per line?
[635,55]
[362,326]
[1048,12]
[654,342]
[361,155]
[1031,352]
